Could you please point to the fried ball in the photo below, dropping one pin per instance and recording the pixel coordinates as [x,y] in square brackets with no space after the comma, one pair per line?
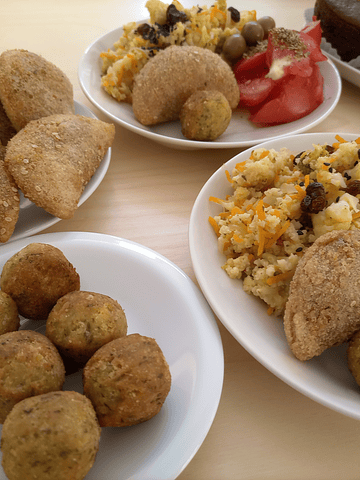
[32,87]
[54,436]
[127,380]
[36,277]
[9,317]
[29,365]
[82,322]
[353,356]
[10,200]
[323,308]
[167,80]
[206,114]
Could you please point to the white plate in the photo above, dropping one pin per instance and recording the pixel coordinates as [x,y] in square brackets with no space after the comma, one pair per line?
[326,378]
[160,301]
[347,71]
[240,133]
[33,219]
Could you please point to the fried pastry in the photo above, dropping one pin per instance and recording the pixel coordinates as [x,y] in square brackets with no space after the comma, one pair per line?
[32,87]
[53,158]
[323,309]
[10,201]
[7,130]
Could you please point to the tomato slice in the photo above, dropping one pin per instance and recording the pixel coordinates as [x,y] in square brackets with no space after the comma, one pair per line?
[251,62]
[297,97]
[255,91]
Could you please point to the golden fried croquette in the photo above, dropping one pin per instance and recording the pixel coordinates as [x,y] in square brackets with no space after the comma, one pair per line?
[36,277]
[353,356]
[127,381]
[10,201]
[53,159]
[53,436]
[167,80]
[9,316]
[29,365]
[82,322]
[32,87]
[323,308]
[205,115]
[7,131]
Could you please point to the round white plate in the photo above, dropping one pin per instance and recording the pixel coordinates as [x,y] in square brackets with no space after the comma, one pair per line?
[161,302]
[240,133]
[326,378]
[33,219]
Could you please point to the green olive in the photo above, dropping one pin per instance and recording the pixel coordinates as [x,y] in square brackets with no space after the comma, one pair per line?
[267,24]
[234,47]
[253,33]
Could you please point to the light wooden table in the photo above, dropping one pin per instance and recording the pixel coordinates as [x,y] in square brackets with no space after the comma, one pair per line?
[264,429]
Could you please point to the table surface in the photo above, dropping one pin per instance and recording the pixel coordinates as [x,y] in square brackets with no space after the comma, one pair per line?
[263,429]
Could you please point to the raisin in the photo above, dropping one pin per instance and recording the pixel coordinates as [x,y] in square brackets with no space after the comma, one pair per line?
[306,221]
[353,188]
[235,14]
[330,149]
[315,198]
[174,16]
[147,32]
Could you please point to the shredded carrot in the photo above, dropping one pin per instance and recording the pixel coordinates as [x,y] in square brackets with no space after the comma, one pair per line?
[237,238]
[276,213]
[214,225]
[261,242]
[307,180]
[340,139]
[279,278]
[240,166]
[356,215]
[264,154]
[226,246]
[278,234]
[216,200]
[358,140]
[235,211]
[224,214]
[228,176]
[214,11]
[260,210]
[270,310]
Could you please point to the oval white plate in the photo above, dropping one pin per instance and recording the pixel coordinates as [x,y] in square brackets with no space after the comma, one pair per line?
[326,378]
[160,301]
[33,219]
[240,133]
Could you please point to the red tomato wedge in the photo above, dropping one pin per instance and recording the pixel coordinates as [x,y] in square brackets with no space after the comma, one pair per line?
[284,82]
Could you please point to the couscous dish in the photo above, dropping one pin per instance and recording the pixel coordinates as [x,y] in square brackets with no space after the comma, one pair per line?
[281,203]
[205,27]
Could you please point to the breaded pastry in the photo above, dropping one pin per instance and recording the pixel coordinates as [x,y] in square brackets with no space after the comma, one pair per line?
[82,322]
[165,83]
[53,158]
[54,436]
[36,277]
[7,131]
[29,365]
[9,315]
[323,308]
[205,115]
[9,201]
[32,87]
[127,381]
[353,356]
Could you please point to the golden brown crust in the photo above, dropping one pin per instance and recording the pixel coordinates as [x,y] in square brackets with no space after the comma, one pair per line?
[32,87]
[36,277]
[165,83]
[59,436]
[52,159]
[7,131]
[127,381]
[29,365]
[323,308]
[353,356]
[82,322]
[9,316]
[10,201]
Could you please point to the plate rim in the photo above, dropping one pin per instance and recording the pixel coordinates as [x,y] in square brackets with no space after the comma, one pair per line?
[215,383]
[84,73]
[301,386]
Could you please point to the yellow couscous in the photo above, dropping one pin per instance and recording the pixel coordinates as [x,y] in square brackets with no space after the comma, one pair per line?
[205,27]
[280,204]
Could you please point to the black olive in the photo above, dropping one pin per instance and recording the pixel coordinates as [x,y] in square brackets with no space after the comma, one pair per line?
[253,33]
[267,24]
[234,47]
